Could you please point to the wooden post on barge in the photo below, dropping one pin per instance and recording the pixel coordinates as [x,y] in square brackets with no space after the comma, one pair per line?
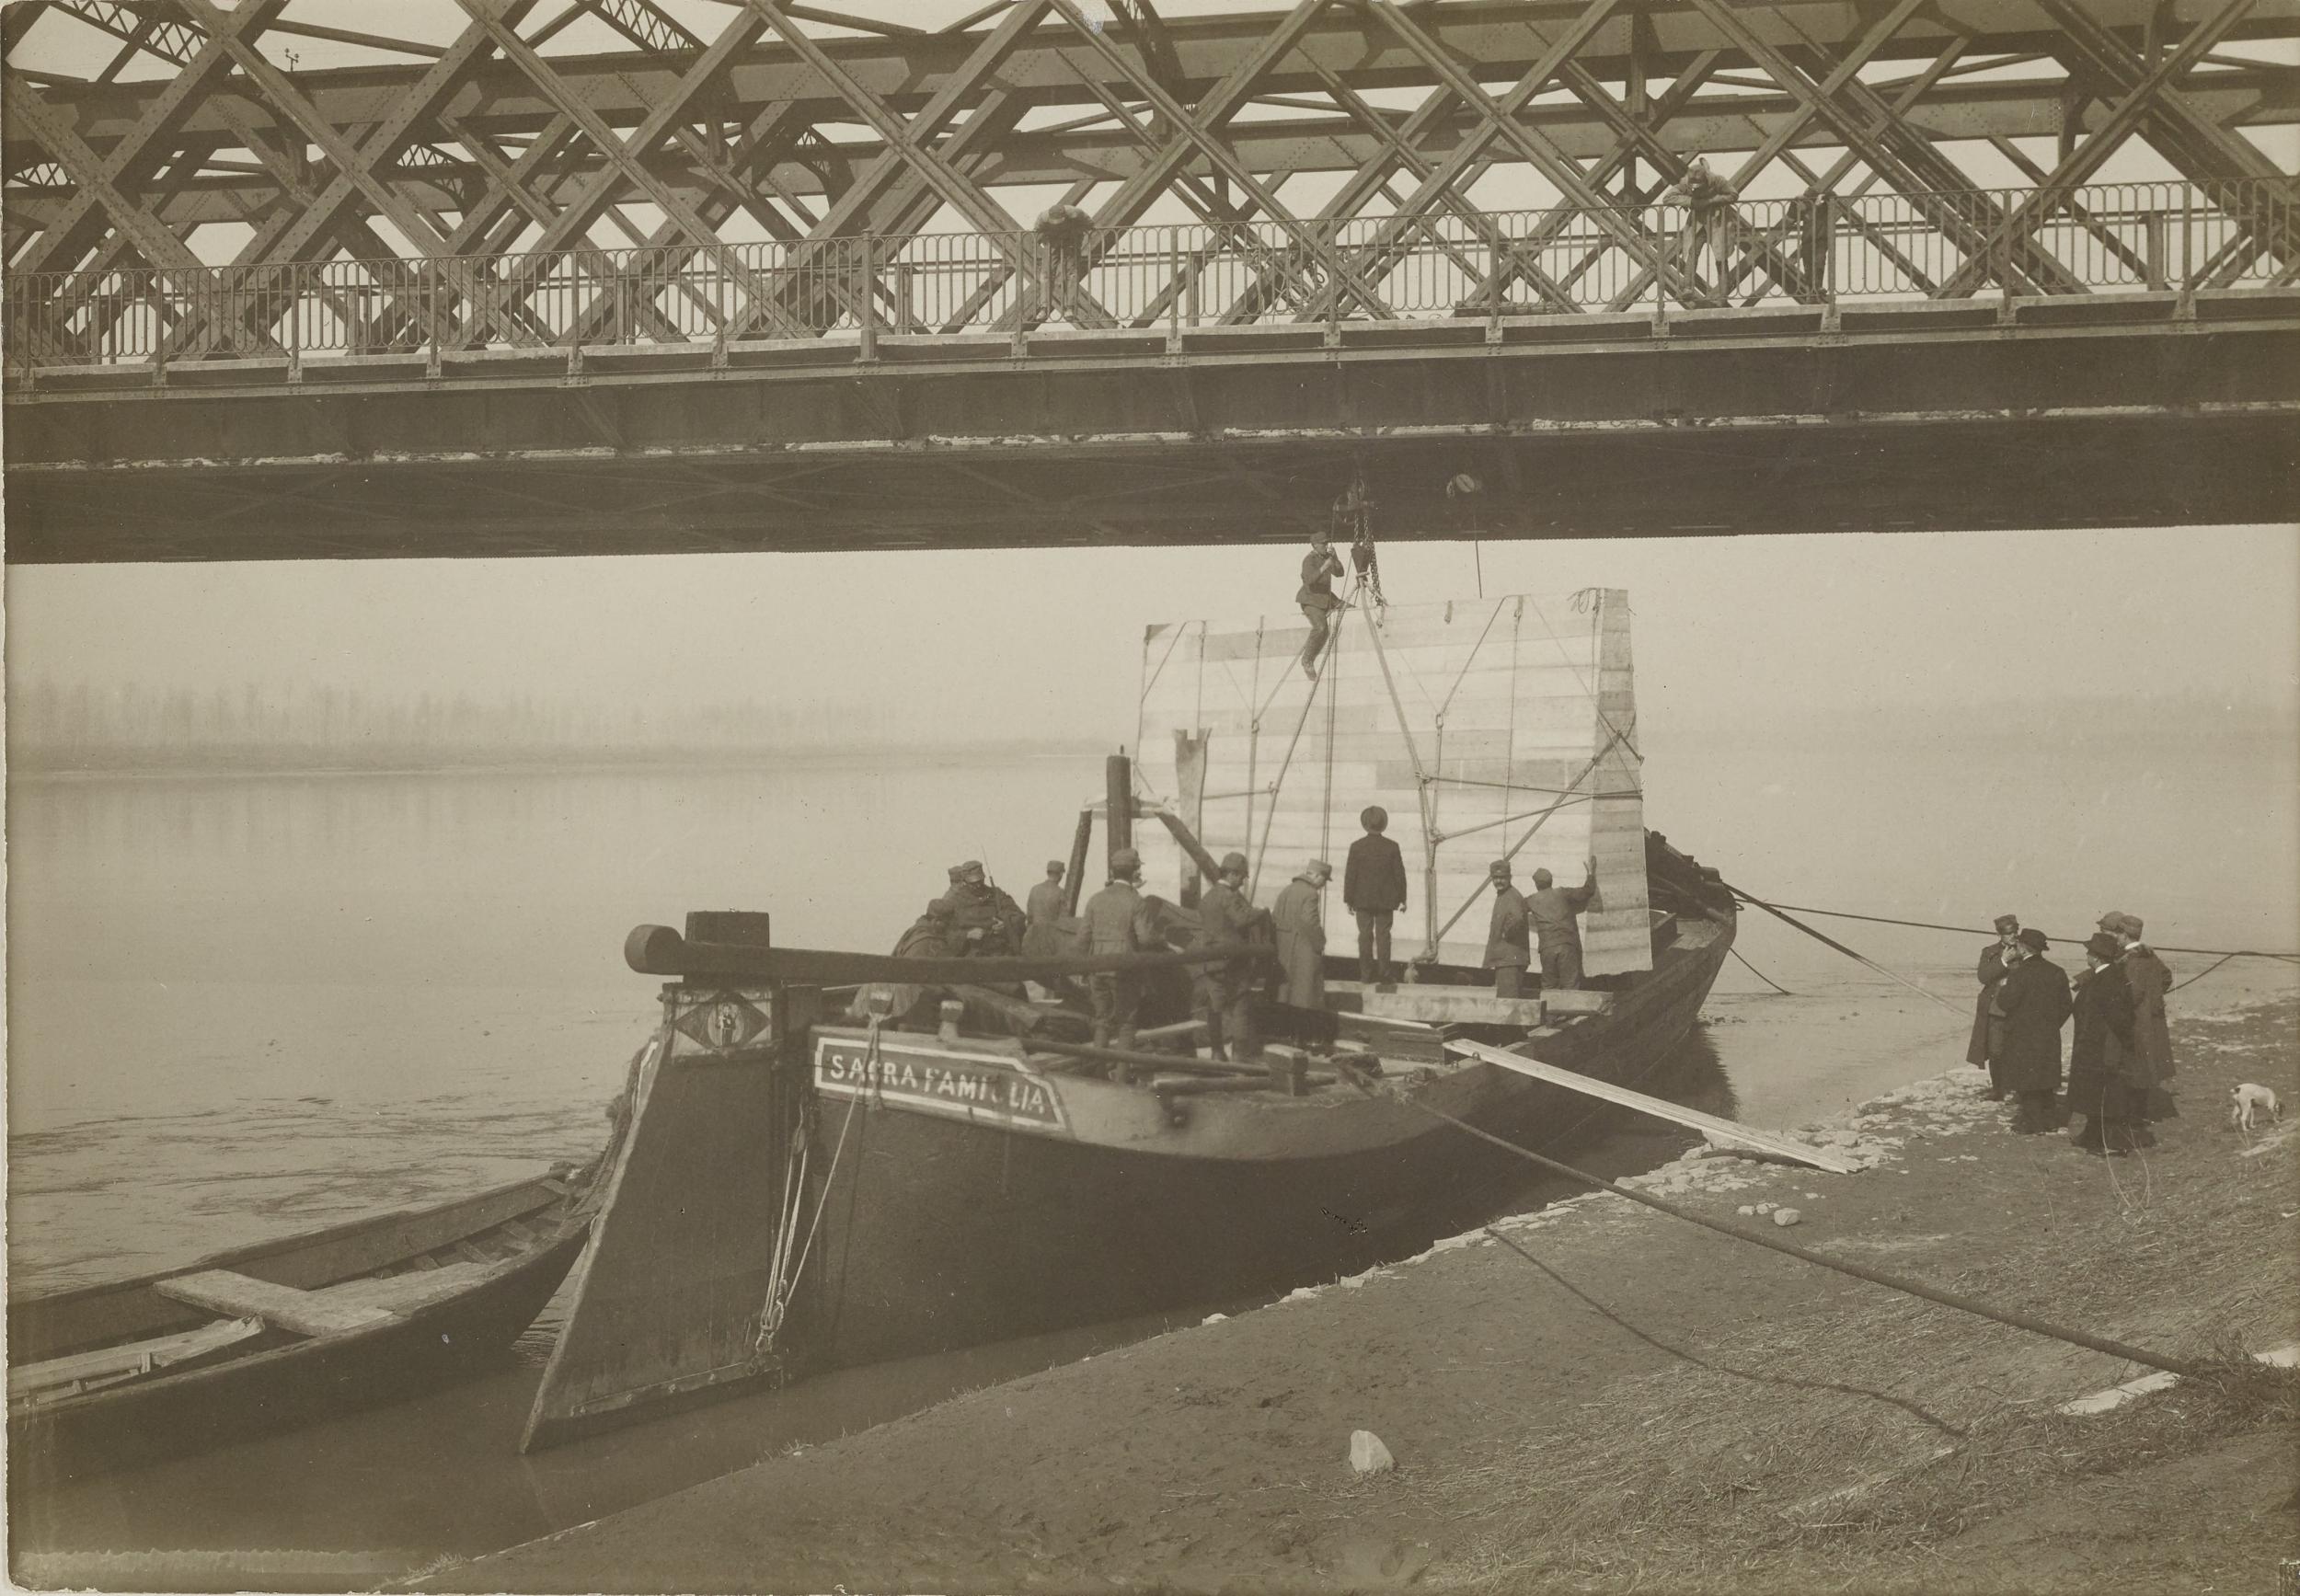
[686,1286]
[1080,844]
[1119,789]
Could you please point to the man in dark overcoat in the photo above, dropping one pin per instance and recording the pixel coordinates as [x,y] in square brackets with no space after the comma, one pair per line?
[1374,888]
[1992,970]
[1509,936]
[2100,1052]
[2034,998]
[2152,1033]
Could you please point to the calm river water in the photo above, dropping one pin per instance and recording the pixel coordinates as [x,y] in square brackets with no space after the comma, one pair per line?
[246,1006]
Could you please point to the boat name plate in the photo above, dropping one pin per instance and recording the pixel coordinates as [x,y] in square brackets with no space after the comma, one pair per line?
[977,1086]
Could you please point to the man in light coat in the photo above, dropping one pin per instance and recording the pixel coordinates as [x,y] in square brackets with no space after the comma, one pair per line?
[1509,936]
[1550,911]
[1301,924]
[1117,920]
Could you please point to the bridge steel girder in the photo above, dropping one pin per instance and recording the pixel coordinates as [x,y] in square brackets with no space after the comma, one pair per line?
[1910,417]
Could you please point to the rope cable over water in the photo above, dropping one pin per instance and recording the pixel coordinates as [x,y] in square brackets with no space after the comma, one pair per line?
[1858,1271]
[1971,931]
[1857,958]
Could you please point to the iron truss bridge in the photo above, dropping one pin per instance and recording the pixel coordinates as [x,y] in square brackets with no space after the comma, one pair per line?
[614,275]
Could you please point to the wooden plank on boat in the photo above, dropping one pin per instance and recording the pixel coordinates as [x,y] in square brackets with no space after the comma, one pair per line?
[1661,1108]
[1474,1005]
[417,1288]
[306,1313]
[105,1364]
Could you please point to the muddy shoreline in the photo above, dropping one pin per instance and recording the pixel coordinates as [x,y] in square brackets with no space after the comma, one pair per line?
[1606,1398]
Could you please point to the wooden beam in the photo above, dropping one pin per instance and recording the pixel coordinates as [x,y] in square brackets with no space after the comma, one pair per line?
[306,1313]
[1660,1107]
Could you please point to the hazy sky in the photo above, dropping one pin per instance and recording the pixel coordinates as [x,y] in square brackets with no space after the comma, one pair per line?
[1013,643]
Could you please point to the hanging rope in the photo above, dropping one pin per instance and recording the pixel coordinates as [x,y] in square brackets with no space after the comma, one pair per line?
[1971,931]
[1858,1271]
[1760,974]
[1832,942]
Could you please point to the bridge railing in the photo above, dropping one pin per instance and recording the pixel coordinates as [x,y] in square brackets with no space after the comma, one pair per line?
[2167,238]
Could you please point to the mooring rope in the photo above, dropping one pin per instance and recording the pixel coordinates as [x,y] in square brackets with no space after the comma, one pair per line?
[1971,931]
[1858,1271]
[1832,942]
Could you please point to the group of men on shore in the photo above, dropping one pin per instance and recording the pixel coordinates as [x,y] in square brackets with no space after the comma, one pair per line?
[2120,1054]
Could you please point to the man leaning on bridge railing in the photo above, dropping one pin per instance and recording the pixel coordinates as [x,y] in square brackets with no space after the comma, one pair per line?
[1709,202]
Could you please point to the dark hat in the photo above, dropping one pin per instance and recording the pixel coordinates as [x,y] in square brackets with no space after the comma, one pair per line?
[1124,863]
[1233,864]
[1055,866]
[2111,920]
[1542,878]
[2127,925]
[2008,924]
[2035,941]
[971,868]
[1499,870]
[2100,945]
[1374,818]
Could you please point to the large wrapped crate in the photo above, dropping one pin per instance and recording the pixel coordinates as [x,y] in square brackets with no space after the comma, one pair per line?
[1488,729]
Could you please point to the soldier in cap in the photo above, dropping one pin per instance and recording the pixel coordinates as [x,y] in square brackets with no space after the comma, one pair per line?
[1994,959]
[1047,901]
[1225,918]
[1509,939]
[1117,920]
[1550,912]
[986,922]
[1300,926]
[1374,888]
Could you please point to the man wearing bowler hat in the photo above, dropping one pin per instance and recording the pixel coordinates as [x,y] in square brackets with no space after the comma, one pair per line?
[1374,888]
[2033,1003]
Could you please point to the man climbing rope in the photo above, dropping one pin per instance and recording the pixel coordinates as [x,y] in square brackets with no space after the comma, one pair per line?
[1319,568]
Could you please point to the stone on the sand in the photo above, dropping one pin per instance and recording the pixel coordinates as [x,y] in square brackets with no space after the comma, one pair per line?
[1747,1210]
[1768,1207]
[1367,1454]
[1785,1217]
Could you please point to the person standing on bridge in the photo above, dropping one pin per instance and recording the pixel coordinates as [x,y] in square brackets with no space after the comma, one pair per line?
[1374,888]
[1708,201]
[1319,568]
[1550,911]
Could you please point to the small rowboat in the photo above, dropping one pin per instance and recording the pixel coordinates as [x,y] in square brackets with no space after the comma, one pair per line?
[269,1337]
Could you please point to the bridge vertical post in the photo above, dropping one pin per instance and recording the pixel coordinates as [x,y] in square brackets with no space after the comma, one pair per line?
[1824,268]
[2186,306]
[2004,251]
[1173,291]
[295,324]
[431,312]
[2154,260]
[866,317]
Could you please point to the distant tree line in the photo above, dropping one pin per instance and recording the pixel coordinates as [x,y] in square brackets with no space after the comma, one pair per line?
[77,726]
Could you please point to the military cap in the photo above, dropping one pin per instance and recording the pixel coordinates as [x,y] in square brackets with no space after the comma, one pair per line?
[1499,870]
[1055,866]
[2008,924]
[1233,864]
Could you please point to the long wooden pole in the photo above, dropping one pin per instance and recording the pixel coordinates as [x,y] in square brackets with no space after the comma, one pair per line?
[1080,843]
[1118,774]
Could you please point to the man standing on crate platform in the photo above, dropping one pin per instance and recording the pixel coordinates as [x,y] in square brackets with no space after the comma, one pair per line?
[1374,888]
[1550,911]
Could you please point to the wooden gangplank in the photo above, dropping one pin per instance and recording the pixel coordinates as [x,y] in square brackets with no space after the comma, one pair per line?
[1660,1107]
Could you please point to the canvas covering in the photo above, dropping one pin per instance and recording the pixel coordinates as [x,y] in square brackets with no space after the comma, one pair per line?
[1487,728]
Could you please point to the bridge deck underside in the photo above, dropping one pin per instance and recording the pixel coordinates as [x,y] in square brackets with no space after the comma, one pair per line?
[2043,413]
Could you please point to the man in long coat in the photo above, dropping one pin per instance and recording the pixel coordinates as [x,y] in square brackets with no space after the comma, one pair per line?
[1301,925]
[1992,971]
[986,922]
[1047,901]
[1374,888]
[1225,917]
[2101,1053]
[1509,934]
[2152,1033]
[2034,999]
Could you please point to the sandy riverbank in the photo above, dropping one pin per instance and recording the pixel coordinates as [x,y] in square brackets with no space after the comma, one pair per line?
[1613,1398]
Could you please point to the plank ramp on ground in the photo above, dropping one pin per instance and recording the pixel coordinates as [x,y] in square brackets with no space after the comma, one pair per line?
[1661,1108]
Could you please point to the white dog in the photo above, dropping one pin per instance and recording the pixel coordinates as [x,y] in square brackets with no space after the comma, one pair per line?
[2248,1104]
